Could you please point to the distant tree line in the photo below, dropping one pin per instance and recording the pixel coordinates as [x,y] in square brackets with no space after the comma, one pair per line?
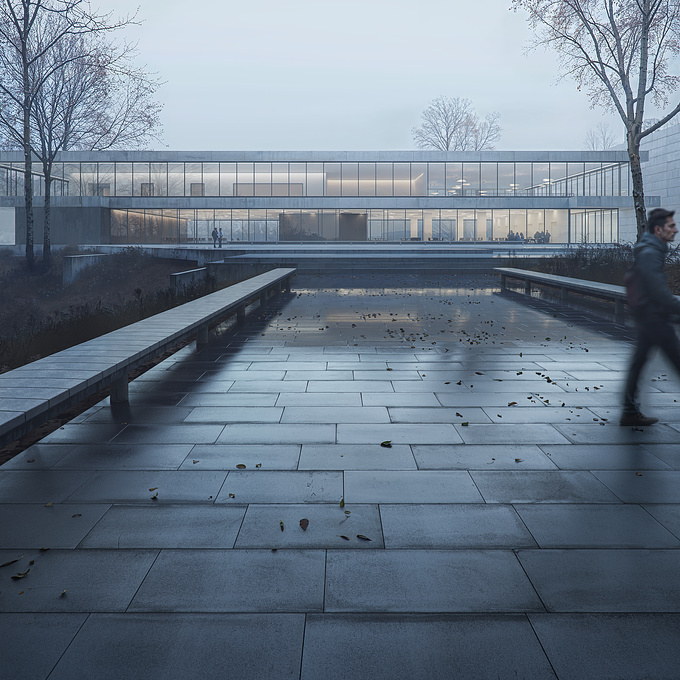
[67,83]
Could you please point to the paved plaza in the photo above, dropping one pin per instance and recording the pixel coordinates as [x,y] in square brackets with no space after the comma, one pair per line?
[388,476]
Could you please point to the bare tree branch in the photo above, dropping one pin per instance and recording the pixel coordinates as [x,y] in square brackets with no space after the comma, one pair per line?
[452,125]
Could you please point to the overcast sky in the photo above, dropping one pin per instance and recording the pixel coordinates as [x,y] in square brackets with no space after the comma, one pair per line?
[350,75]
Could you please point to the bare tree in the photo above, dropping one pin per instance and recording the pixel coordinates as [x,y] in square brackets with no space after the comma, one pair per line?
[618,51]
[600,138]
[94,98]
[30,31]
[452,125]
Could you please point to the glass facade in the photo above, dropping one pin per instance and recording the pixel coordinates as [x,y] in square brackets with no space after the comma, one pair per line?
[273,225]
[164,197]
[326,179]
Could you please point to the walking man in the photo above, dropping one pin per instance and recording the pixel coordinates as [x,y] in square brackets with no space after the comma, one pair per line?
[657,308]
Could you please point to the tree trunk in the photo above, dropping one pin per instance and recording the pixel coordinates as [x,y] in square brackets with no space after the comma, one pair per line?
[638,190]
[47,253]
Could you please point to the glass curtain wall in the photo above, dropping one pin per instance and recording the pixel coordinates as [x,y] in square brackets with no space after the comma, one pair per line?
[143,179]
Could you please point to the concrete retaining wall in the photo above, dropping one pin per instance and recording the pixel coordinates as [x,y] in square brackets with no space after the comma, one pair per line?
[74,264]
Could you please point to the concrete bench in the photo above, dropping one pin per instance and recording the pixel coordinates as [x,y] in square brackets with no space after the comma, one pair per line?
[32,394]
[566,285]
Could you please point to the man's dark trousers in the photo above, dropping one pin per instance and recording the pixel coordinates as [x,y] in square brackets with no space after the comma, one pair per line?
[652,332]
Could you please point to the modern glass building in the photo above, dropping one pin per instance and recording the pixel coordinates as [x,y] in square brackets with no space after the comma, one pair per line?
[179,197]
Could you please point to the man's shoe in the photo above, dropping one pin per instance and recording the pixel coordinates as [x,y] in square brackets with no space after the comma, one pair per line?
[636,418]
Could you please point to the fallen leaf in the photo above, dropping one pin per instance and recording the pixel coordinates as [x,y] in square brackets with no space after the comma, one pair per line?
[49,505]
[6,564]
[258,465]
[20,575]
[155,496]
[348,512]
[345,537]
[363,538]
[387,443]
[44,549]
[78,514]
[304,523]
[281,525]
[639,474]
[465,424]
[241,466]
[460,415]
[153,488]
[231,495]
[195,462]
[518,460]
[63,593]
[342,502]
[512,403]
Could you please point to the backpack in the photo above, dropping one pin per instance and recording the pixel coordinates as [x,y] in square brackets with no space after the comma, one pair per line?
[634,295]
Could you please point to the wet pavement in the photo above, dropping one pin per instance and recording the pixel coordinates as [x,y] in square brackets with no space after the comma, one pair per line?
[471,507]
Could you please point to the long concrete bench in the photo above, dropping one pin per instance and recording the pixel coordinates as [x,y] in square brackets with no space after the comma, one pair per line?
[34,393]
[566,285]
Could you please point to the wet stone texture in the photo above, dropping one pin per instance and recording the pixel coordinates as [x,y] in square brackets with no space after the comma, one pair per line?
[380,477]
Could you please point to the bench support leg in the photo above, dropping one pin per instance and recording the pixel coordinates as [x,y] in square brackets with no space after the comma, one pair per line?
[288,284]
[241,315]
[119,390]
[502,282]
[618,310]
[527,287]
[564,294]
[202,336]
[263,301]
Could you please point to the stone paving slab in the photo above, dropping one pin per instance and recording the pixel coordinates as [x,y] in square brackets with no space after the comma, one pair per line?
[233,581]
[56,526]
[329,526]
[150,486]
[281,486]
[420,486]
[191,526]
[449,526]
[606,457]
[33,643]
[124,457]
[479,457]
[427,581]
[616,646]
[595,526]
[356,457]
[176,647]
[604,580]
[73,580]
[528,486]
[253,456]
[422,647]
